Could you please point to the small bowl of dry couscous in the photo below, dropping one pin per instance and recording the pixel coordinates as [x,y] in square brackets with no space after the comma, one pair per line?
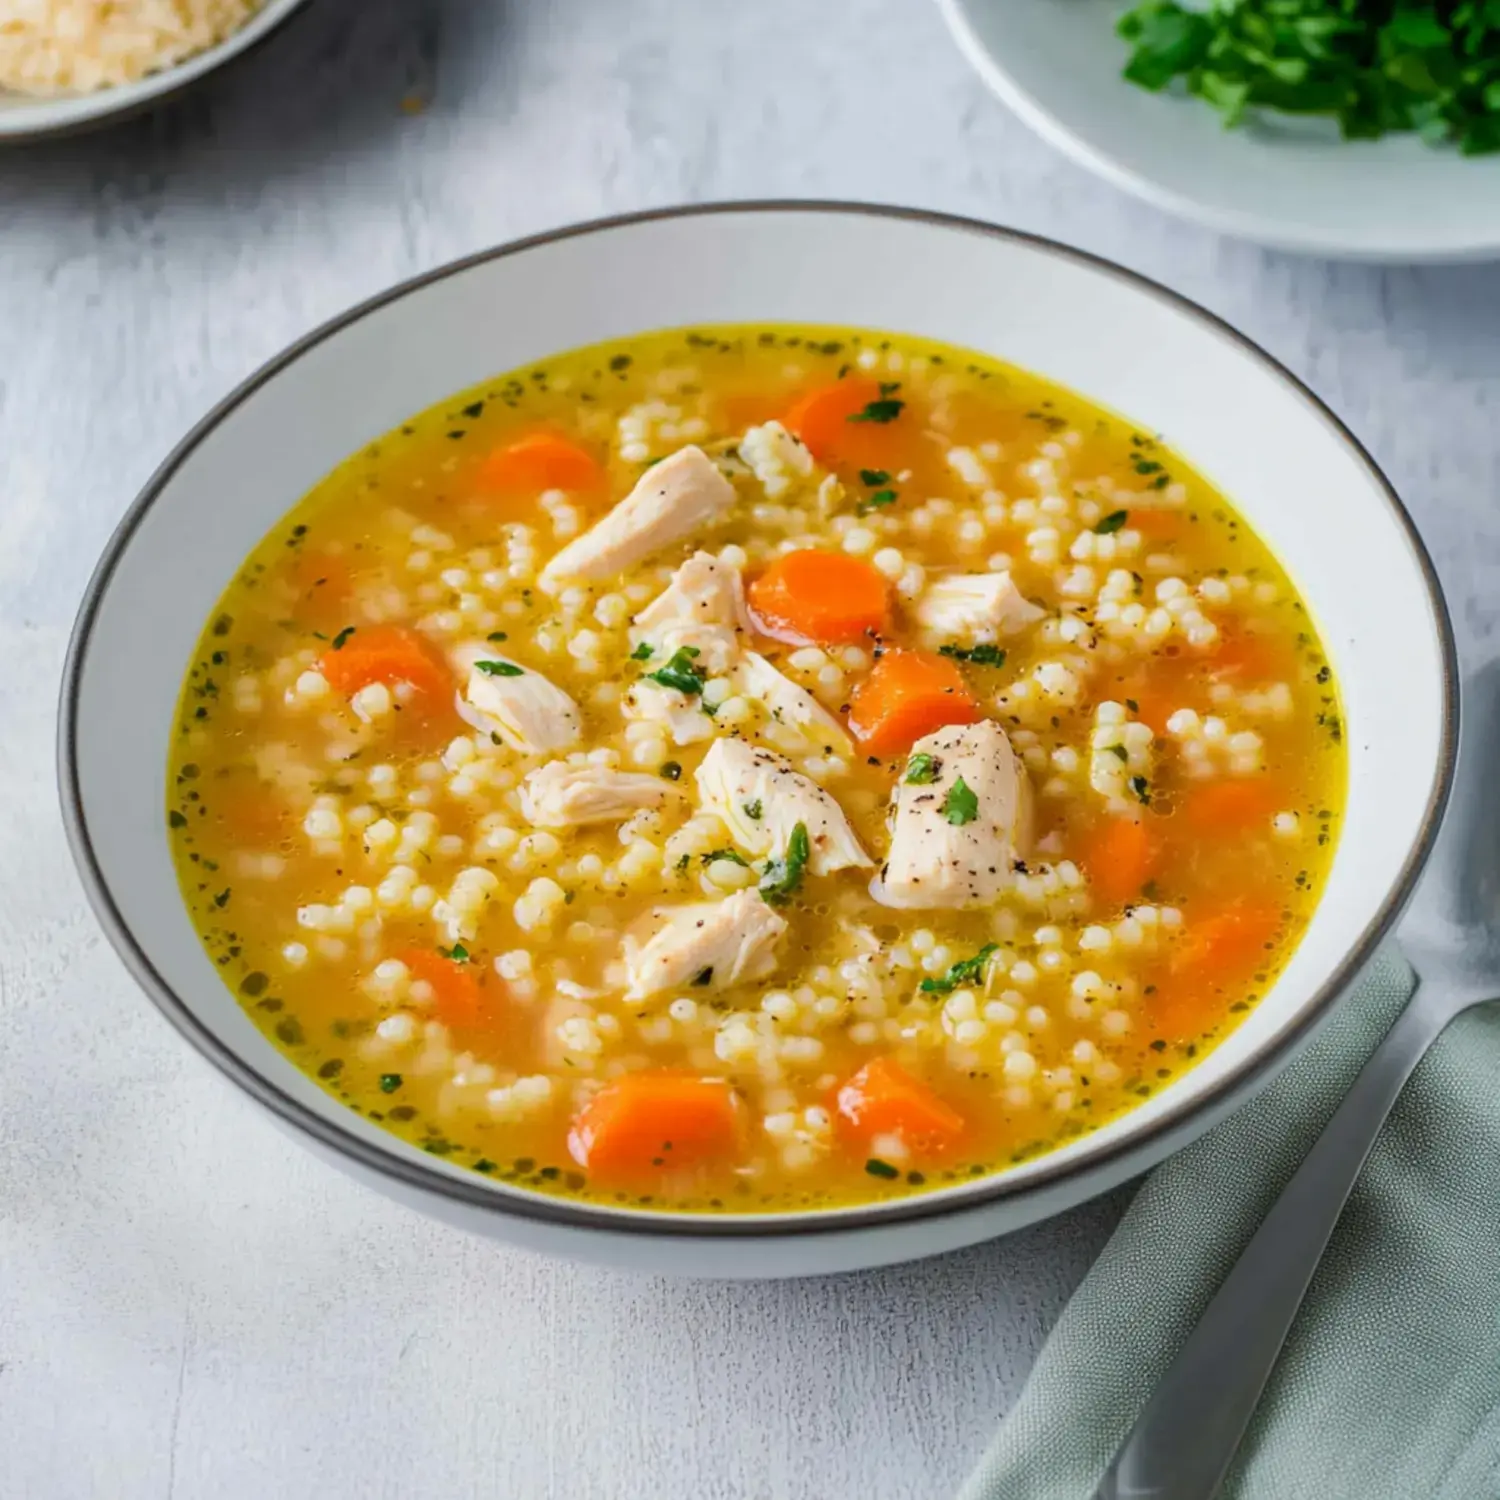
[66,65]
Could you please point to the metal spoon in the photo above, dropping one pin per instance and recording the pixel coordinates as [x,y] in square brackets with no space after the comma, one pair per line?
[1182,1443]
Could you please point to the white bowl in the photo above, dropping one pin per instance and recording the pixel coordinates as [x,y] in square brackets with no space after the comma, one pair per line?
[24,117]
[1291,184]
[1297,475]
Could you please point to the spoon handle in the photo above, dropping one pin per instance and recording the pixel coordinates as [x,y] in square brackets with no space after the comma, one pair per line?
[1185,1437]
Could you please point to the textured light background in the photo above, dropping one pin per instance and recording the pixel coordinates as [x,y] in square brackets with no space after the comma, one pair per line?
[189,1306]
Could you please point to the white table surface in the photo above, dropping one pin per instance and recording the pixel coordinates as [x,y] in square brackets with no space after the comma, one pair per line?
[189,1305]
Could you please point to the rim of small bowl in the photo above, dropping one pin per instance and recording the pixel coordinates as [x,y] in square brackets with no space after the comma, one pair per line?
[1259,228]
[501,1199]
[55,116]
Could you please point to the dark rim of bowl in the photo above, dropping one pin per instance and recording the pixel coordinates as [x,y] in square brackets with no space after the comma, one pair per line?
[961,1200]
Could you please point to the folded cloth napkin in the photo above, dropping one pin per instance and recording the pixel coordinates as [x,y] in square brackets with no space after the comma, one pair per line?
[1389,1386]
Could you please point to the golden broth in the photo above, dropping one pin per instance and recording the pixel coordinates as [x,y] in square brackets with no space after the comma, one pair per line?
[1181,834]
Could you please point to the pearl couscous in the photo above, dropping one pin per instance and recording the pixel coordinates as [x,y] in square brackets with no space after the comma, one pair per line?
[755,769]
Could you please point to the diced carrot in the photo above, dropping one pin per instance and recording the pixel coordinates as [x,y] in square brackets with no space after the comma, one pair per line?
[884,1099]
[460,996]
[654,1121]
[540,461]
[832,422]
[384,653]
[1121,857]
[908,694]
[1154,706]
[1228,945]
[826,597]
[1247,657]
[1225,807]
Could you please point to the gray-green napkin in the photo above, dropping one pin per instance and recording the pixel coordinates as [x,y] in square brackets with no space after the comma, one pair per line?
[1389,1387]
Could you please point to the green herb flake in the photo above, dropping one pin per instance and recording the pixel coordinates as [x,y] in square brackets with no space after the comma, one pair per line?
[982,655]
[753,810]
[922,770]
[704,976]
[882,497]
[458,953]
[732,855]
[965,971]
[1142,789]
[680,672]
[500,669]
[961,804]
[495,637]
[644,652]
[389,1082]
[782,876]
[343,636]
[883,410]
[176,820]
[1373,66]
[877,1168]
[873,477]
[1112,522]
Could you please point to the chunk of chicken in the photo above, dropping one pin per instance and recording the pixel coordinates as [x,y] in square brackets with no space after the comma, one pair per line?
[759,797]
[787,702]
[703,607]
[564,796]
[709,945]
[976,607]
[502,697]
[936,861]
[680,714]
[671,500]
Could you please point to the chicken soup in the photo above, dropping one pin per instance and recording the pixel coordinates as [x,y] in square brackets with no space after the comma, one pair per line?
[755,769]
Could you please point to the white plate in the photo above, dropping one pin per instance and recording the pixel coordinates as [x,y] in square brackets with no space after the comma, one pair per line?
[26,118]
[1296,186]
[1293,470]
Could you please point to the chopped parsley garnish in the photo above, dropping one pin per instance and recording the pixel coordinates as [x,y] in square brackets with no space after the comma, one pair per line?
[1142,789]
[1112,522]
[683,863]
[1132,705]
[965,971]
[389,1082]
[644,652]
[753,810]
[672,770]
[499,669]
[496,636]
[680,673]
[873,477]
[732,855]
[981,655]
[1145,465]
[882,497]
[341,637]
[458,953]
[961,804]
[883,410]
[704,976]
[921,770]
[782,876]
[877,1168]
[1375,67]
